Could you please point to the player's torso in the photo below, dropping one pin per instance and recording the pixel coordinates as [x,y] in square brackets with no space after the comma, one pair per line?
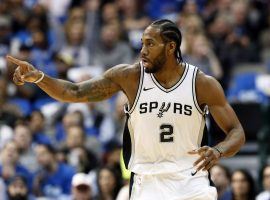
[165,124]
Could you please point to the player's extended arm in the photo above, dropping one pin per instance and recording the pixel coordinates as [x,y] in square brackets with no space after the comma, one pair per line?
[209,92]
[95,89]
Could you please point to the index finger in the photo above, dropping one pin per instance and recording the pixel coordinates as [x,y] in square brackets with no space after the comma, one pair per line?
[14,60]
[199,150]
[202,149]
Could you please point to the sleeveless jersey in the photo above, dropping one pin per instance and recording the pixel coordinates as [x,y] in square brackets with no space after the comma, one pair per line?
[163,125]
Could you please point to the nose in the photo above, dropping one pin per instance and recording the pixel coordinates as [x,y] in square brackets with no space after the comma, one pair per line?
[144,51]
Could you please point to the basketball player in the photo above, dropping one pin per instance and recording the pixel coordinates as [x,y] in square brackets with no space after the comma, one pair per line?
[168,100]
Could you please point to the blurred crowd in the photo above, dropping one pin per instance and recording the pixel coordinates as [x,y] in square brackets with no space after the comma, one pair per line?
[53,150]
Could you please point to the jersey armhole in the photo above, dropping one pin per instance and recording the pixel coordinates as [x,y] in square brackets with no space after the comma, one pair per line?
[195,72]
[127,108]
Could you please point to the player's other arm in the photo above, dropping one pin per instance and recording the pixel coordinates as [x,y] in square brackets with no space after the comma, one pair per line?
[211,93]
[95,89]
[224,116]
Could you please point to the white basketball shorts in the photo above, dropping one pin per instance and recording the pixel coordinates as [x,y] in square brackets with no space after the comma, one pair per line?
[175,186]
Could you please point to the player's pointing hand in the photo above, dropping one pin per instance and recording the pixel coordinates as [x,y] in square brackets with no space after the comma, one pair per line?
[25,72]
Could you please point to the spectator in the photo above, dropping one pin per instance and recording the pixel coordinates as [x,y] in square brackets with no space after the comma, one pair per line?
[110,13]
[5,35]
[202,55]
[191,26]
[109,183]
[157,9]
[10,166]
[218,31]
[134,22]
[17,189]
[220,175]
[41,53]
[37,126]
[81,187]
[9,112]
[23,140]
[53,179]
[112,50]
[241,46]
[190,7]
[93,23]
[57,10]
[63,62]
[74,45]
[69,119]
[112,155]
[265,41]
[2,190]
[96,118]
[265,194]
[242,186]
[76,153]
[6,117]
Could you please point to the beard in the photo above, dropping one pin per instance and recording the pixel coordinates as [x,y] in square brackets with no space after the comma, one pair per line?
[18,197]
[158,62]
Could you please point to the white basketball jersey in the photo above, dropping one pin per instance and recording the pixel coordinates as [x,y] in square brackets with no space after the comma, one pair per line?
[164,124]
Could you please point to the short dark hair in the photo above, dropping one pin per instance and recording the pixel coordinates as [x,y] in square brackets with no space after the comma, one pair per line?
[225,169]
[50,148]
[170,32]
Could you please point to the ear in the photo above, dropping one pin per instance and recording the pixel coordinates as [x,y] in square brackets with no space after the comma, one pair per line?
[171,48]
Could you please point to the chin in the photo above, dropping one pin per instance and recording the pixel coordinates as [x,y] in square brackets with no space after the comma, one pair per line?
[148,70]
[151,69]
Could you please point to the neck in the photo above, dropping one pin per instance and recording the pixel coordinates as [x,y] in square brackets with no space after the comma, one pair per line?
[221,190]
[52,167]
[240,197]
[107,197]
[171,70]
[23,150]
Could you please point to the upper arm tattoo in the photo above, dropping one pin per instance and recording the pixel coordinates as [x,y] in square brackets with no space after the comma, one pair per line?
[100,88]
[97,89]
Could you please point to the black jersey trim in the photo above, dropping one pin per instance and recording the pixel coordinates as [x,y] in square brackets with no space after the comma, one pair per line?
[176,85]
[138,91]
[194,90]
[127,144]
[131,182]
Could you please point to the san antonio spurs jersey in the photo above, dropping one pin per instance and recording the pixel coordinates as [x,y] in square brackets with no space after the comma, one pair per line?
[163,125]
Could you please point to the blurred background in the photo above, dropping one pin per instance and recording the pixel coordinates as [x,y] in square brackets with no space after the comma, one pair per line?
[53,150]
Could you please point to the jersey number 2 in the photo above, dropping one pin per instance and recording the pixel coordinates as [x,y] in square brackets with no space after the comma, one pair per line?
[166,133]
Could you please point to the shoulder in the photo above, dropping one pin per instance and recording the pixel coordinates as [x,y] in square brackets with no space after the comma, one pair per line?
[66,169]
[204,81]
[124,68]
[263,195]
[208,89]
[21,169]
[123,72]
[227,195]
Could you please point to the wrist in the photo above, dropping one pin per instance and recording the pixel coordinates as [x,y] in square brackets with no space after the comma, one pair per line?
[219,150]
[40,78]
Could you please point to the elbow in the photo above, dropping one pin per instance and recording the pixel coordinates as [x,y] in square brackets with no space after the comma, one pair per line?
[243,141]
[243,135]
[71,94]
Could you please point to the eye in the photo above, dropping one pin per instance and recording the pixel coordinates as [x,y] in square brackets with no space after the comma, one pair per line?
[150,44]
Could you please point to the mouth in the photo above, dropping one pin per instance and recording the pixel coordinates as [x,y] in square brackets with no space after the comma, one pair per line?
[145,62]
